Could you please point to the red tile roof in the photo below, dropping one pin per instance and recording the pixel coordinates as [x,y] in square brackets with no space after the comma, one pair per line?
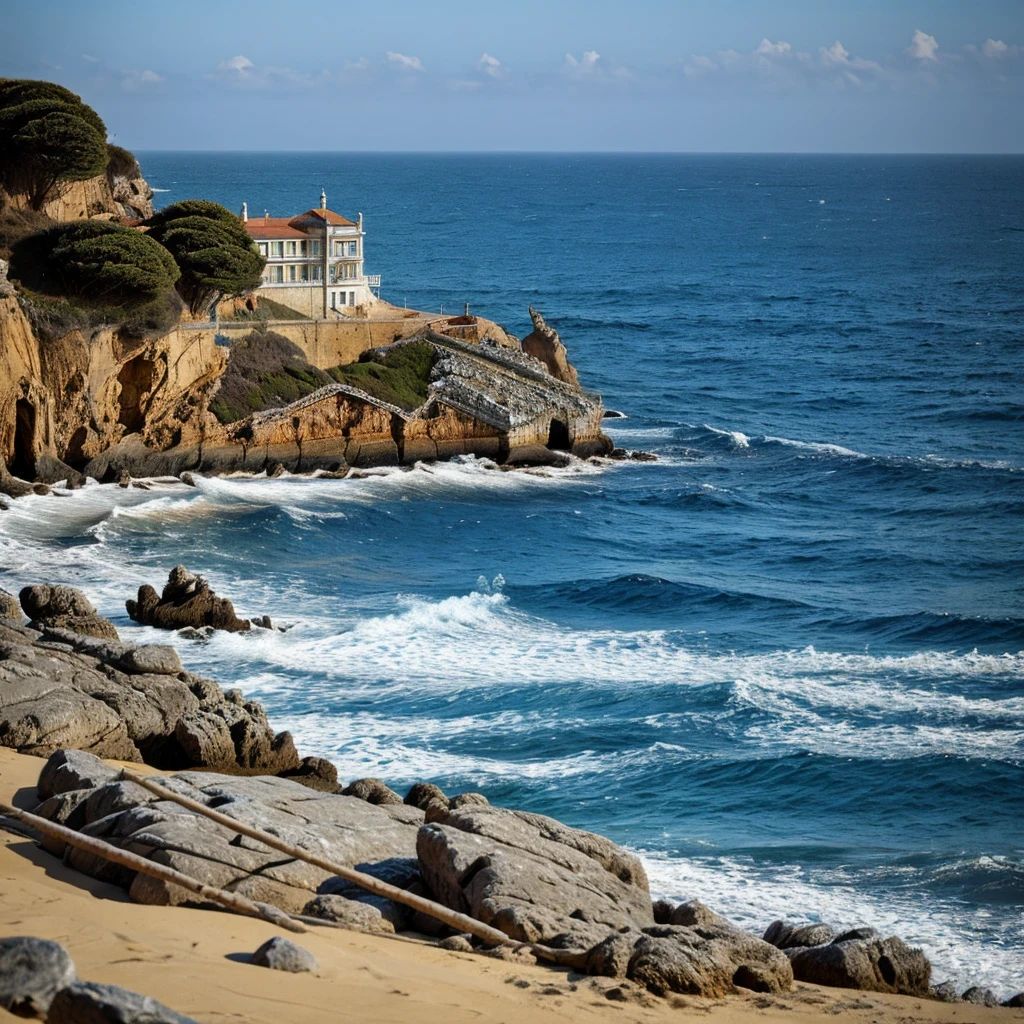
[289,227]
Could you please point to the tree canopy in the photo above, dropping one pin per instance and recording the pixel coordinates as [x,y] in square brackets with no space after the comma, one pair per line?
[106,262]
[47,136]
[215,254]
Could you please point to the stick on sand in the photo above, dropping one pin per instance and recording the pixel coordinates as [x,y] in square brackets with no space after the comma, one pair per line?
[452,918]
[116,855]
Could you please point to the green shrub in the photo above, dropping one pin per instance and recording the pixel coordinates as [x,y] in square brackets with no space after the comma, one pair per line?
[121,163]
[400,377]
[48,136]
[215,254]
[265,371]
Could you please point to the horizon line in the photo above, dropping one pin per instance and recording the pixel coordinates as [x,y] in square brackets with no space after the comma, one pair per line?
[585,152]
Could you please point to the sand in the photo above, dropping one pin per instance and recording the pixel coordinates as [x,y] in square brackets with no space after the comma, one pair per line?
[196,962]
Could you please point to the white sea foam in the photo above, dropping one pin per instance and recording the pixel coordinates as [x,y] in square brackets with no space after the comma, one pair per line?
[822,448]
[738,439]
[964,943]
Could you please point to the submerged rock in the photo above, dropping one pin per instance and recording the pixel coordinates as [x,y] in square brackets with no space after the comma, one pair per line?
[186,601]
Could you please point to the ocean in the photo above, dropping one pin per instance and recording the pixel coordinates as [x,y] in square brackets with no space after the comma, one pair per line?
[785,662]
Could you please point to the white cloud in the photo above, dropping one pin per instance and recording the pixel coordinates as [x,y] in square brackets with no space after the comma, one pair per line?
[90,58]
[770,49]
[132,80]
[357,65]
[585,66]
[994,49]
[835,54]
[699,65]
[404,62]
[489,65]
[923,46]
[239,65]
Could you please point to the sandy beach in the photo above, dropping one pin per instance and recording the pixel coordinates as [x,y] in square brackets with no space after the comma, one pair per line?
[196,961]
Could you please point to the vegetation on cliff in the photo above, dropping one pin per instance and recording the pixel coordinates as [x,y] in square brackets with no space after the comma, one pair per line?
[48,136]
[212,249]
[401,376]
[267,371]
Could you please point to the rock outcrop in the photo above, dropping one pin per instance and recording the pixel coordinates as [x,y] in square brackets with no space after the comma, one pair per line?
[186,601]
[60,607]
[870,964]
[60,688]
[533,877]
[545,344]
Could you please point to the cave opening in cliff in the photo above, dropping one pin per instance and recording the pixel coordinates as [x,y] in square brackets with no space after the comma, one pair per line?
[74,455]
[136,380]
[23,462]
[558,436]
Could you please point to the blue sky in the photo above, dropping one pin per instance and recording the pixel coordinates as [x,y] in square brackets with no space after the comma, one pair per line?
[651,75]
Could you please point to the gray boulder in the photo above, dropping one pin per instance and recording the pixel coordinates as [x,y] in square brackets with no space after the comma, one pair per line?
[156,659]
[372,791]
[467,800]
[980,996]
[32,972]
[945,993]
[67,770]
[359,915]
[281,955]
[708,961]
[89,1002]
[793,936]
[422,793]
[1015,1000]
[875,965]
[66,608]
[694,913]
[532,877]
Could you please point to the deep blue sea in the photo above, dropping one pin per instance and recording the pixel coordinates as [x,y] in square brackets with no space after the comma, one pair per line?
[785,661]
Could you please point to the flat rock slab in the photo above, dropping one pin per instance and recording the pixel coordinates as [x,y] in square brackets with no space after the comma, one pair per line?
[88,1002]
[32,972]
[281,955]
[533,877]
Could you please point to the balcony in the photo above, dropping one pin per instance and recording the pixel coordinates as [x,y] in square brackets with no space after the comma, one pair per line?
[373,280]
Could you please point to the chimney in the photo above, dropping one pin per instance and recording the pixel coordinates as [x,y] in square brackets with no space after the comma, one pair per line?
[245,212]
[266,217]
[323,200]
[467,309]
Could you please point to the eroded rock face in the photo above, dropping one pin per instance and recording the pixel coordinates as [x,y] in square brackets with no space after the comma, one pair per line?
[9,606]
[63,690]
[532,877]
[544,344]
[875,965]
[59,607]
[32,972]
[186,601]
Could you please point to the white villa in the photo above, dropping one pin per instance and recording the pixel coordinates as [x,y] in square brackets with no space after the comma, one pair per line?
[314,261]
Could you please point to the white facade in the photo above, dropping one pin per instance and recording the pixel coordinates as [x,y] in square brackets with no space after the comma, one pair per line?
[314,261]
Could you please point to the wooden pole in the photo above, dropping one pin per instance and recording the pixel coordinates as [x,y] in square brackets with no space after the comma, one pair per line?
[452,918]
[231,900]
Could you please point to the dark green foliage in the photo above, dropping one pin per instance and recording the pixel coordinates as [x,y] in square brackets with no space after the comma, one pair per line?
[91,273]
[216,255]
[47,137]
[16,225]
[106,262]
[121,163]
[265,371]
[401,376]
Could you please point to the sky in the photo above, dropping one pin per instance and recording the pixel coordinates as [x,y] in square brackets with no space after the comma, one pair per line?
[903,76]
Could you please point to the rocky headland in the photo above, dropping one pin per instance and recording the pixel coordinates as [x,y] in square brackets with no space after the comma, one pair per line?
[73,693]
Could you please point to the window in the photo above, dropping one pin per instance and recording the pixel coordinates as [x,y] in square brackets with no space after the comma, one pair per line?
[278,275]
[352,246]
[334,300]
[302,248]
[304,276]
[293,271]
[277,248]
[351,298]
[314,248]
[290,249]
[318,273]
[263,248]
[339,248]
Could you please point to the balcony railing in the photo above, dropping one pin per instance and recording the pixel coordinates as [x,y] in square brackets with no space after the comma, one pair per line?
[373,280]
